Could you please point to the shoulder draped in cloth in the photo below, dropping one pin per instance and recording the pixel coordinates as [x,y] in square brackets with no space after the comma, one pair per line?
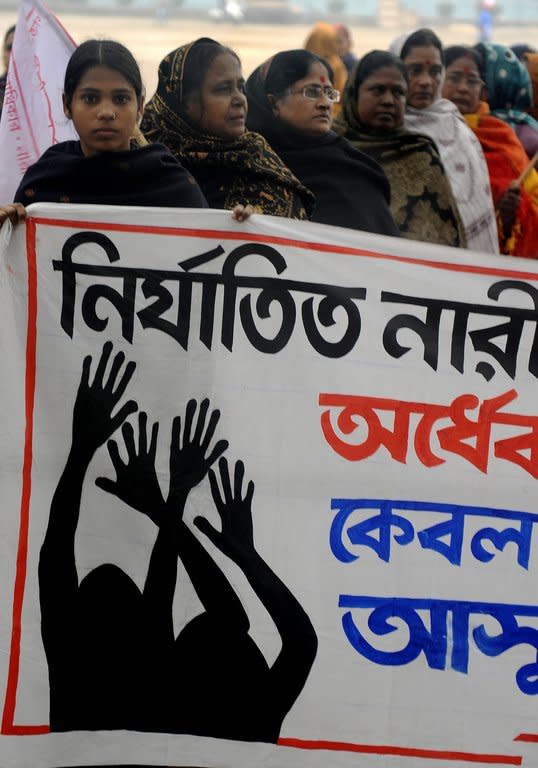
[465,166]
[506,159]
[351,189]
[421,199]
[243,171]
[148,176]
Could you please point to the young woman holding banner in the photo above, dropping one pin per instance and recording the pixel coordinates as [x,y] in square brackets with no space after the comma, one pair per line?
[111,164]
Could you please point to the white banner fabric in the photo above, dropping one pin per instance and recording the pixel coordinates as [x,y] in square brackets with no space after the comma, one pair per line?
[32,116]
[268,493]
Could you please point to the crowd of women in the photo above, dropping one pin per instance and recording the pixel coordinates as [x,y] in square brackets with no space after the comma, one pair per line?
[425,142]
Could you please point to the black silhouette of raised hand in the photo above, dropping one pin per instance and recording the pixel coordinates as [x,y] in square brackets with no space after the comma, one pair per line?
[278,687]
[136,480]
[189,457]
[93,422]
[90,630]
[235,511]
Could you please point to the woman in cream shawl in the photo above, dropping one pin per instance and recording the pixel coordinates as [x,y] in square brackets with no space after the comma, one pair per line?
[460,151]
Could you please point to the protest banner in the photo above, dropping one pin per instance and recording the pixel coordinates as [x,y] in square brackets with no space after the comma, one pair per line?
[269,495]
[32,116]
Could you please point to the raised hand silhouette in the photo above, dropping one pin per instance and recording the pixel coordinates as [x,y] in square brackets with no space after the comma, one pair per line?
[262,696]
[93,422]
[92,632]
[188,461]
[114,661]
[236,534]
[136,480]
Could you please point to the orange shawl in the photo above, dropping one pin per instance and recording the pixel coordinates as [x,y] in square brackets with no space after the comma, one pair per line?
[506,159]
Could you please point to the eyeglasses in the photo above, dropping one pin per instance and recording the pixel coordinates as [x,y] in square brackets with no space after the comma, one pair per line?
[316,91]
[456,78]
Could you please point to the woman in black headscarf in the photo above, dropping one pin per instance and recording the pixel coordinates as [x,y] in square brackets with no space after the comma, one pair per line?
[290,103]
[110,164]
[199,112]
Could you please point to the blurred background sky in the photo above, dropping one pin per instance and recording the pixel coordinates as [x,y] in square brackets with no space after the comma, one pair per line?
[151,28]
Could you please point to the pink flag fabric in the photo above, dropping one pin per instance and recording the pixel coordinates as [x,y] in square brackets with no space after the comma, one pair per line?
[32,116]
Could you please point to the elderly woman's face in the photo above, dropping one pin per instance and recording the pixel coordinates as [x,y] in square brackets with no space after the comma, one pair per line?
[381,99]
[311,114]
[220,109]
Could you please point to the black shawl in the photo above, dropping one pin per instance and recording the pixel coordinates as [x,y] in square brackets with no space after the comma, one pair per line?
[147,176]
[351,189]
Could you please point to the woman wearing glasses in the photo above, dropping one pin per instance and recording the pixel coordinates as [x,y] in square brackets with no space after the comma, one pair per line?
[199,112]
[427,112]
[373,108]
[290,103]
[516,207]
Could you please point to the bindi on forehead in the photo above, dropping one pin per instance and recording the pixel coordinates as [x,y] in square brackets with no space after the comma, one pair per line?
[322,79]
[469,65]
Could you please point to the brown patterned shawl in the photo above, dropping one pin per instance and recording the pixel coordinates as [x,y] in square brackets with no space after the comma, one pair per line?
[241,171]
[422,203]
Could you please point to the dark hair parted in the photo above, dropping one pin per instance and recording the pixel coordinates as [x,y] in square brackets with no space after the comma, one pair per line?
[482,56]
[373,61]
[8,33]
[287,67]
[454,52]
[419,39]
[101,53]
[197,60]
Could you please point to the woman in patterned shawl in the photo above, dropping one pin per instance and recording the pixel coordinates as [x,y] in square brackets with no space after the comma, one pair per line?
[199,112]
[372,117]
